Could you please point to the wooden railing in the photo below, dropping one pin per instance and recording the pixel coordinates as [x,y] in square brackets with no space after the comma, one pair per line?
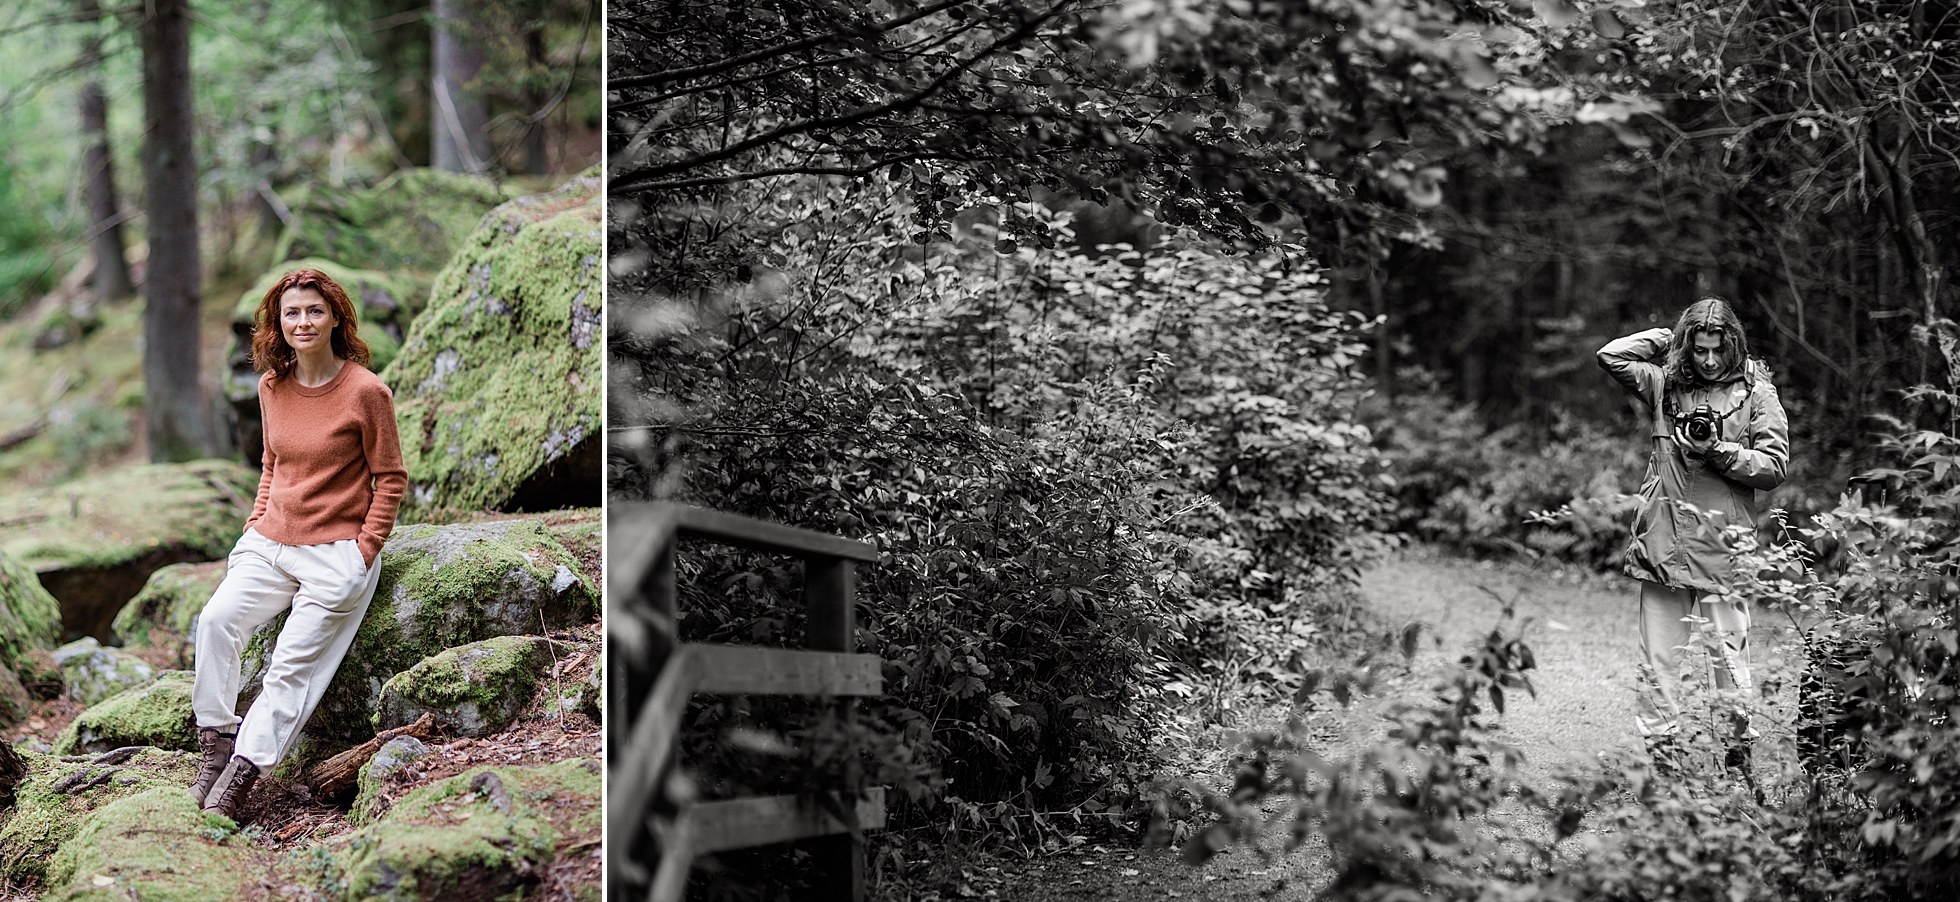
[652,840]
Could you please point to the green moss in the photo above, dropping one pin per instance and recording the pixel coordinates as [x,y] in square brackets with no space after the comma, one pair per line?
[447,836]
[42,819]
[473,690]
[502,375]
[158,714]
[160,616]
[155,846]
[410,224]
[30,618]
[441,587]
[122,515]
[67,391]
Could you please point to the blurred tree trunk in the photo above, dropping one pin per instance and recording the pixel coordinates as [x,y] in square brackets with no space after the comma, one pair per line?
[459,140]
[173,402]
[111,266]
[535,162]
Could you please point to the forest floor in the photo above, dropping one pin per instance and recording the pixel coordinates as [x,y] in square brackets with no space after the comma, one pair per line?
[1583,632]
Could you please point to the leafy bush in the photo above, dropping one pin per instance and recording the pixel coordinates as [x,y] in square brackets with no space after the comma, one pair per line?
[1459,482]
[1094,482]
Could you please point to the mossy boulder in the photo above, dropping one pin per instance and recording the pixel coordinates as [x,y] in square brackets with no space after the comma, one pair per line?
[394,757]
[485,834]
[39,673]
[440,587]
[93,672]
[473,690]
[162,619]
[497,385]
[43,818]
[386,302]
[30,618]
[95,541]
[157,713]
[155,846]
[410,224]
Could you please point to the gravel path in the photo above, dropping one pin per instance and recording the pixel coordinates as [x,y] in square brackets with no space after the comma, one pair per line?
[1582,630]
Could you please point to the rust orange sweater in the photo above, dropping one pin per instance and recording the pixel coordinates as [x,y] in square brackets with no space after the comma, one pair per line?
[333,463]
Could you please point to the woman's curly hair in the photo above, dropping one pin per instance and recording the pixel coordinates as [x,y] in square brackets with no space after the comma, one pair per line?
[1712,315]
[271,353]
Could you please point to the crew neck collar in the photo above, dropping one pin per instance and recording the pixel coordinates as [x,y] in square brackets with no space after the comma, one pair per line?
[324,387]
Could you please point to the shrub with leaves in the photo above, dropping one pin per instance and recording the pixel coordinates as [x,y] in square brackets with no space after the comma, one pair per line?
[1563,490]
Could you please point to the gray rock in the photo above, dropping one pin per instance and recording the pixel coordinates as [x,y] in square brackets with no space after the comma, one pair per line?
[93,672]
[473,690]
[395,756]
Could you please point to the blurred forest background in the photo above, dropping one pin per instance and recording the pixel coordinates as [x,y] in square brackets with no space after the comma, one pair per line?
[278,99]
[1133,333]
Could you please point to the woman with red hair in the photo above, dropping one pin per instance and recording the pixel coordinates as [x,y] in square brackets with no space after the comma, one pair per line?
[332,481]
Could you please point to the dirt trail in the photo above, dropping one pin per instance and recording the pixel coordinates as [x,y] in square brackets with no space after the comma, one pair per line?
[1582,631]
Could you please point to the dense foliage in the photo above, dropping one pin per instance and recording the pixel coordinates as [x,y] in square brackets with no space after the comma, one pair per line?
[1090,500]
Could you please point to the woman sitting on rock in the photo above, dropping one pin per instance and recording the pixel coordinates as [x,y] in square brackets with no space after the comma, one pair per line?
[332,480]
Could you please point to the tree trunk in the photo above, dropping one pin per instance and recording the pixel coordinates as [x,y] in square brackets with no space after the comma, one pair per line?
[173,402]
[111,265]
[535,162]
[459,140]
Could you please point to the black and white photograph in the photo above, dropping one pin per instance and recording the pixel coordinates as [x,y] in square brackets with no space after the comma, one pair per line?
[1281,449]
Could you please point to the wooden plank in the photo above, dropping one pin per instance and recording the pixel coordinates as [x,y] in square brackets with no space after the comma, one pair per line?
[635,773]
[740,823]
[762,535]
[636,535]
[749,670]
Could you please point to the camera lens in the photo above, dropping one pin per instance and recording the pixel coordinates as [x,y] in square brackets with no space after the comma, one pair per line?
[1700,429]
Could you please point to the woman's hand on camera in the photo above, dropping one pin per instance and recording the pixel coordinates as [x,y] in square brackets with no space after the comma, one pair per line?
[1689,446]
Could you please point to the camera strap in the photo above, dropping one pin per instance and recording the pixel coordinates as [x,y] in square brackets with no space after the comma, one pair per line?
[1671,402]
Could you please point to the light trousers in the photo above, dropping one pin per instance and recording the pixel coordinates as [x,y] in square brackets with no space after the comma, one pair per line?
[1667,619]
[328,588]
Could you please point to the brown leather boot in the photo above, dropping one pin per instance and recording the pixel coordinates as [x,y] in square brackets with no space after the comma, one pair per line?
[228,794]
[216,747]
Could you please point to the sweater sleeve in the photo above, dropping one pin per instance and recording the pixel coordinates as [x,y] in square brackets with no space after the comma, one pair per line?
[383,448]
[1633,362]
[267,461]
[1760,463]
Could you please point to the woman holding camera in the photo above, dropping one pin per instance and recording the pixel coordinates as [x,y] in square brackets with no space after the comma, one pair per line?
[1718,437]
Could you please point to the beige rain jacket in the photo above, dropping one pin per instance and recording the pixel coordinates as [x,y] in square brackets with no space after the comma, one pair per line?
[1684,503]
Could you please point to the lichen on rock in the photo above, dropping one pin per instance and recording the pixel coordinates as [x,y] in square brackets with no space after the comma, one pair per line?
[157,713]
[488,833]
[512,327]
[95,541]
[93,672]
[43,818]
[473,690]
[161,620]
[394,757]
[440,587]
[155,846]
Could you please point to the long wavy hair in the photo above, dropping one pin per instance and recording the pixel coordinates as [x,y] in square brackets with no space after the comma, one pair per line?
[271,353]
[1715,316]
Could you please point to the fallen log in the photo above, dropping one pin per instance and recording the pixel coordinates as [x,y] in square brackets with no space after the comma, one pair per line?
[340,775]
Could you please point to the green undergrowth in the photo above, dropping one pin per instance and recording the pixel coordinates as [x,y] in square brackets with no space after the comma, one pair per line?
[155,845]
[42,820]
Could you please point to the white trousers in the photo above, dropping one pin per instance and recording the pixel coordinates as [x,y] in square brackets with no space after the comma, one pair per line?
[328,588]
[1667,619]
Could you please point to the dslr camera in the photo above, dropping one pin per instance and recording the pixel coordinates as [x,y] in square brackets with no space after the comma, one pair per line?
[1699,423]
